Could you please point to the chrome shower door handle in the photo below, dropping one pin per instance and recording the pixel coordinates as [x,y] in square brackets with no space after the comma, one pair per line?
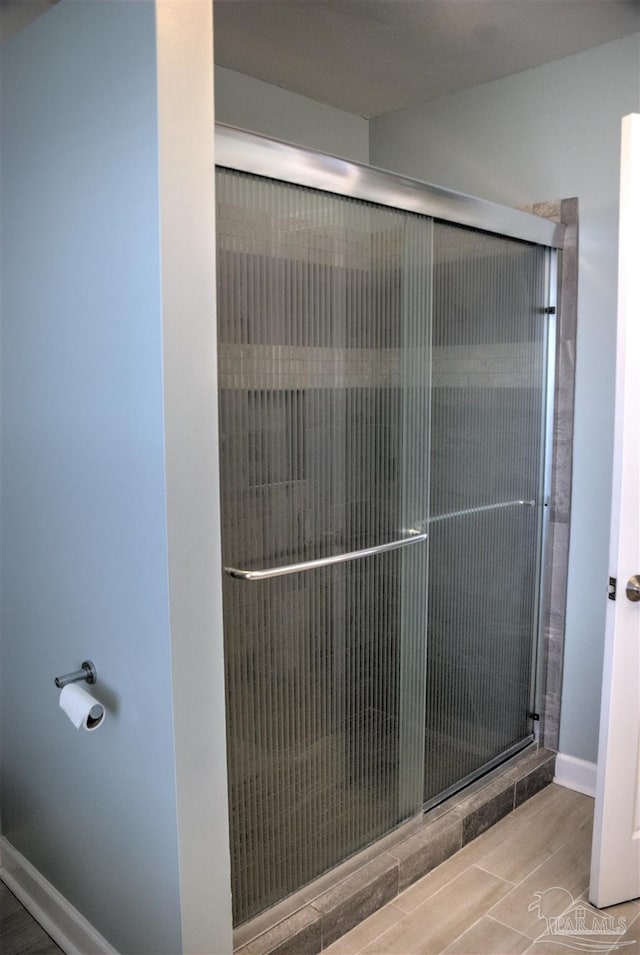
[632,589]
[270,572]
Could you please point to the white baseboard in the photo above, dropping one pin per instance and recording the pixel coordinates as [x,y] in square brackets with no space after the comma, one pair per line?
[66,926]
[577,774]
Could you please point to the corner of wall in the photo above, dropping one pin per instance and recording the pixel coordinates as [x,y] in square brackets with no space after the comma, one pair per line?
[187,209]
[260,107]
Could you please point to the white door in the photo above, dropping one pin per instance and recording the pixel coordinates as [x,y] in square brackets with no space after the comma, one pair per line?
[615,862]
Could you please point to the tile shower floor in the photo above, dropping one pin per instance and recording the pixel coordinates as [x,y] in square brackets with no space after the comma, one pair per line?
[502,894]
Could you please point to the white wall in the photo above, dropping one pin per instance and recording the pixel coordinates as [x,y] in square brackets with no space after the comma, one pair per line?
[262,108]
[189,340]
[549,133]
[109,507]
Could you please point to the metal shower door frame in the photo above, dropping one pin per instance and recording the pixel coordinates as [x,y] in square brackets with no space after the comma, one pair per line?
[243,151]
[247,152]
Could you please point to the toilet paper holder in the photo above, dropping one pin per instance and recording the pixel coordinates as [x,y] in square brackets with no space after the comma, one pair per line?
[87,672]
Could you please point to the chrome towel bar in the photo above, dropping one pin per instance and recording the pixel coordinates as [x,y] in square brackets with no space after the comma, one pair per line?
[414,538]
[269,572]
[480,510]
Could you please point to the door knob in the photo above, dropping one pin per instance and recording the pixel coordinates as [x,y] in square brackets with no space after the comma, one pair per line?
[633,588]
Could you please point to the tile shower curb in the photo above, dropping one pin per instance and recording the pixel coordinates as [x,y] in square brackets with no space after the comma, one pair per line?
[378,874]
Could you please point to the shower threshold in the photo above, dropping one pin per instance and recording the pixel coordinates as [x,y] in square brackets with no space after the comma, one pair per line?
[314,917]
[462,785]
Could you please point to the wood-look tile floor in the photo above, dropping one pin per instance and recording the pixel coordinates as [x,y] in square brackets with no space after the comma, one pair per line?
[20,934]
[502,894]
[494,897]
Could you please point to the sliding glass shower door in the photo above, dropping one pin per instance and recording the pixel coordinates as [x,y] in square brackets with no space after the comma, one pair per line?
[382,401]
[324,367]
[487,452]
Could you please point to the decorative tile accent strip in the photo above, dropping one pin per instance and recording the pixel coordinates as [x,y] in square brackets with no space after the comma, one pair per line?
[499,365]
[292,367]
[298,240]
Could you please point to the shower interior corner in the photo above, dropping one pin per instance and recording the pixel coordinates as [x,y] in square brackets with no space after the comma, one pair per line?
[383,395]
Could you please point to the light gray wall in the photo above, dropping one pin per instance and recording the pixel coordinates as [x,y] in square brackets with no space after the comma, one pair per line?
[262,108]
[548,133]
[84,543]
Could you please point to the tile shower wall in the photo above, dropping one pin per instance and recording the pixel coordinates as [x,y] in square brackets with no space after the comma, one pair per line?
[557,558]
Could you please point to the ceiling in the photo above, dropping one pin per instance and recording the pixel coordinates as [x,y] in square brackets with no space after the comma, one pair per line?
[14,14]
[373,56]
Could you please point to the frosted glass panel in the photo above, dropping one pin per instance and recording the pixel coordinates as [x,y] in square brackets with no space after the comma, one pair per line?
[324,362]
[489,295]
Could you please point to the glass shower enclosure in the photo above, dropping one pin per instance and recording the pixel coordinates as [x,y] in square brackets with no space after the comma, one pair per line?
[383,377]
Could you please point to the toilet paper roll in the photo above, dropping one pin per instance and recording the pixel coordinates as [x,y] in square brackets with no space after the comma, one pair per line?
[83,710]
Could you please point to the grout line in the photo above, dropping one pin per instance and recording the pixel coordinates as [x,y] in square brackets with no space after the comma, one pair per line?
[402,914]
[505,925]
[512,927]
[473,865]
[561,845]
[468,928]
[517,883]
[417,882]
[484,915]
[496,875]
[569,906]
[443,886]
